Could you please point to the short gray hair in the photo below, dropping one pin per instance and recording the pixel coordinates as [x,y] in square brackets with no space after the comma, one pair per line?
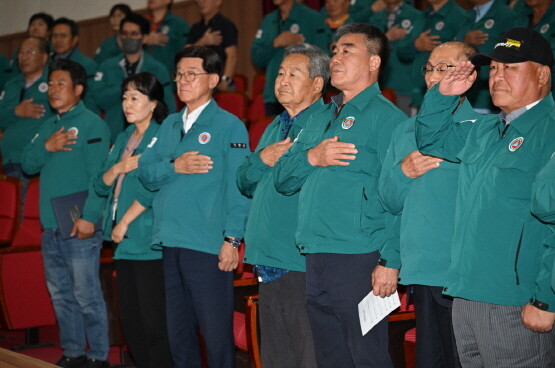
[319,65]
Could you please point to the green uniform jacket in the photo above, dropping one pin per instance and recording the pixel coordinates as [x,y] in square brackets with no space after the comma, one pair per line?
[270,234]
[109,48]
[5,71]
[177,30]
[359,11]
[19,131]
[339,210]
[445,24]
[497,242]
[398,74]
[137,244]
[427,205]
[67,172]
[543,207]
[498,19]
[106,88]
[302,20]
[195,211]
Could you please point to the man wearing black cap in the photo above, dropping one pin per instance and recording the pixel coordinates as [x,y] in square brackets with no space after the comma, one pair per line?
[503,308]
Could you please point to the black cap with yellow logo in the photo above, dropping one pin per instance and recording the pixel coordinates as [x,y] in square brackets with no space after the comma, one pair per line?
[518,45]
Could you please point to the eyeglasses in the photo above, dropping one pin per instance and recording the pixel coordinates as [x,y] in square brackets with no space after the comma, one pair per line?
[189,76]
[440,67]
[28,52]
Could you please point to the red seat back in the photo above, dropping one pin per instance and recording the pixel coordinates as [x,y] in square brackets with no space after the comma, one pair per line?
[256,108]
[258,85]
[30,231]
[10,197]
[256,129]
[240,82]
[233,101]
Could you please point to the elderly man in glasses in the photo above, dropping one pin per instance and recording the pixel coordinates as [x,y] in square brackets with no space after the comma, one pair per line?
[423,188]
[199,212]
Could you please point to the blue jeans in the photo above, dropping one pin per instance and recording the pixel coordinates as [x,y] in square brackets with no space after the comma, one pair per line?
[72,275]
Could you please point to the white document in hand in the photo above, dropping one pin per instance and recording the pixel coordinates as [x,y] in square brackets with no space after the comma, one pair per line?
[372,309]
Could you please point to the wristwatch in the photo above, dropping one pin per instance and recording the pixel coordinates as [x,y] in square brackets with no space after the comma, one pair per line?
[540,305]
[236,242]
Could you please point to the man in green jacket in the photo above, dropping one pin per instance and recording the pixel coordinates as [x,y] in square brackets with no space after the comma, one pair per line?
[199,212]
[335,164]
[497,242]
[270,233]
[422,190]
[65,37]
[106,88]
[24,105]
[68,151]
[289,24]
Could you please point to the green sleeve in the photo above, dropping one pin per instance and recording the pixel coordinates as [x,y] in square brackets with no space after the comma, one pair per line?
[35,155]
[99,186]
[144,196]
[155,169]
[9,99]
[391,248]
[292,169]
[393,185]
[253,168]
[237,205]
[437,134]
[105,89]
[262,48]
[95,156]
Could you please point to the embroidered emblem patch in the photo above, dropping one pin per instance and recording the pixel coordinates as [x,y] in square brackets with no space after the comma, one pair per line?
[294,28]
[405,23]
[204,138]
[544,28]
[2,95]
[515,144]
[489,23]
[98,76]
[154,139]
[439,26]
[348,122]
[258,33]
[74,131]
[43,87]
[165,29]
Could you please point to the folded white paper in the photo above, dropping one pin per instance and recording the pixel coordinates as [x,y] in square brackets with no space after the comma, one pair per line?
[372,309]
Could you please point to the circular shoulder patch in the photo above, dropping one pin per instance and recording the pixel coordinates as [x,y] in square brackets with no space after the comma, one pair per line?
[348,122]
[544,28]
[439,26]
[165,29]
[43,87]
[515,144]
[204,138]
[489,24]
[294,28]
[98,76]
[406,23]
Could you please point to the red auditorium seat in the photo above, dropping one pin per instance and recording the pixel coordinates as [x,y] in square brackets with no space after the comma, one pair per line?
[256,108]
[258,85]
[390,95]
[10,197]
[233,101]
[30,230]
[240,82]
[256,129]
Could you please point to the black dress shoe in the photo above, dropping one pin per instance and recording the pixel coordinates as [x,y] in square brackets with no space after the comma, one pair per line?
[67,362]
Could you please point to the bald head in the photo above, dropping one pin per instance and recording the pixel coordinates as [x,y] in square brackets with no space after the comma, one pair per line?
[445,55]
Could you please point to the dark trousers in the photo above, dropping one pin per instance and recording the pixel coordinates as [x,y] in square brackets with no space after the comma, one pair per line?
[335,284]
[286,339]
[435,340]
[198,297]
[142,308]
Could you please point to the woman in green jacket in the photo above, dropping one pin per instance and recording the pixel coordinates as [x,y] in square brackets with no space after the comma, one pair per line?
[128,222]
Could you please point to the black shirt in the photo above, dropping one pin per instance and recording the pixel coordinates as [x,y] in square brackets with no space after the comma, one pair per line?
[217,23]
